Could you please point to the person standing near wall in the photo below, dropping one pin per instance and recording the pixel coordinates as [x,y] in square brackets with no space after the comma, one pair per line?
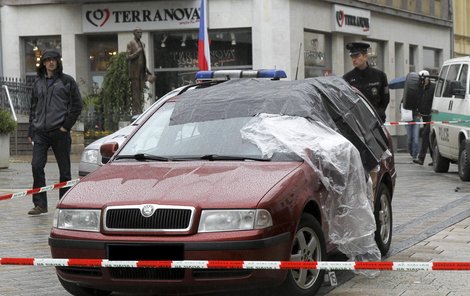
[424,109]
[412,130]
[56,104]
[371,82]
[138,71]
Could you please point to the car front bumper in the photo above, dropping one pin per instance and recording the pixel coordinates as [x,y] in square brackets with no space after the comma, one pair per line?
[172,281]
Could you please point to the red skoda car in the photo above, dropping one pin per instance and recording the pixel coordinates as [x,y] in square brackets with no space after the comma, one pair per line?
[253,169]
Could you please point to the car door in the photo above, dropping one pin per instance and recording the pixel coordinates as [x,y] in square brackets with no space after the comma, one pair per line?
[449,108]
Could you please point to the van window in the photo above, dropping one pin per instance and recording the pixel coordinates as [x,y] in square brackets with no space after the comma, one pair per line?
[440,81]
[451,76]
[463,77]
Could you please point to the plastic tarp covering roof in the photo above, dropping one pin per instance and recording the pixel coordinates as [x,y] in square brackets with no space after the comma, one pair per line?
[326,99]
[325,122]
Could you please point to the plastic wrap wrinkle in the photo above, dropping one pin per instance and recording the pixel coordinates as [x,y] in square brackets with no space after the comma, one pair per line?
[347,204]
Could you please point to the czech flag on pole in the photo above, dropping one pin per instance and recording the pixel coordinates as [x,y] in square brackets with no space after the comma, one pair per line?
[203,53]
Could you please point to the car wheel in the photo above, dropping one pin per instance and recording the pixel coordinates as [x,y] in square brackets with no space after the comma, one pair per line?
[77,290]
[440,163]
[309,245]
[464,164]
[383,219]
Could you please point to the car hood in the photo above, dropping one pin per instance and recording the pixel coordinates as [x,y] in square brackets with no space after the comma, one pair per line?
[199,184]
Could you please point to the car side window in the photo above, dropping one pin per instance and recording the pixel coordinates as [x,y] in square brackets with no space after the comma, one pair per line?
[451,76]
[463,77]
[441,80]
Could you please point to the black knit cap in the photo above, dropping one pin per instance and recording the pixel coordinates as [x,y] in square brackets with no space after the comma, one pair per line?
[50,54]
[357,47]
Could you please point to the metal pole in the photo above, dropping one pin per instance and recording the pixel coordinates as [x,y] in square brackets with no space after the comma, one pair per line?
[14,117]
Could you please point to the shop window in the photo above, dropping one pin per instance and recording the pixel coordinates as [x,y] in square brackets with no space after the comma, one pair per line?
[101,48]
[317,54]
[175,55]
[33,48]
[376,55]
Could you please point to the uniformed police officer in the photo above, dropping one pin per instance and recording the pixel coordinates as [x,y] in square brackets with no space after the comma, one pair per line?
[371,82]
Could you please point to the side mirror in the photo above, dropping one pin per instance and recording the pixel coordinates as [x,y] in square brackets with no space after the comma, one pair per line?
[456,89]
[107,150]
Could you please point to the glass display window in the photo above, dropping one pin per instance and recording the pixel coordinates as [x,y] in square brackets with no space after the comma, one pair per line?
[317,54]
[101,48]
[175,55]
[33,48]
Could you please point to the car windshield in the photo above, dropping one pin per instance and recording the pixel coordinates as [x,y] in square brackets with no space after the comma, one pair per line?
[213,140]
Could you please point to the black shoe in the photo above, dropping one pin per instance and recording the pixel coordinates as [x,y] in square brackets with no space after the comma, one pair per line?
[37,211]
[431,164]
[418,161]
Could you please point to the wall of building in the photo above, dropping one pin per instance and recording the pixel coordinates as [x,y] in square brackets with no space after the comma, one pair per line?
[461,28]
[278,30]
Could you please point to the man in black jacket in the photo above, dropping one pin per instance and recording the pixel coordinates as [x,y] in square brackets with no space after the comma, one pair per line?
[424,109]
[55,106]
[372,82]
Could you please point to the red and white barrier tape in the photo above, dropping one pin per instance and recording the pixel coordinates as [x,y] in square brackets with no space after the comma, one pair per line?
[38,190]
[203,264]
[422,123]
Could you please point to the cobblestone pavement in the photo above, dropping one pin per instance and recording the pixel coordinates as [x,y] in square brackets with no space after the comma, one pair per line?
[431,223]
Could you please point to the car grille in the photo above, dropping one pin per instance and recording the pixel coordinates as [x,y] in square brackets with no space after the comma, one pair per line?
[162,218]
[88,271]
[147,273]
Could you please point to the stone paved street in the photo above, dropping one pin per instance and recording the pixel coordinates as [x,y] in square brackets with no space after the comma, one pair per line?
[431,223]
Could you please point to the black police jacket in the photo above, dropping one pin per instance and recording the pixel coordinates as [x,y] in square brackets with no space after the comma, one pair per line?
[373,84]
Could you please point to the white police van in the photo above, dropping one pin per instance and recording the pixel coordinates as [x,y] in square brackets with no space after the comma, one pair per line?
[451,141]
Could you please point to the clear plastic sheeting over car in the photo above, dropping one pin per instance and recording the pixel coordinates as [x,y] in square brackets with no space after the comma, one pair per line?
[347,203]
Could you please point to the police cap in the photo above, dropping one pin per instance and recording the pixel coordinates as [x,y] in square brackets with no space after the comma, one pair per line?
[357,47]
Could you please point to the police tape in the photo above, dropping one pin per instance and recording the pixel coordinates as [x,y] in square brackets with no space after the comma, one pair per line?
[38,190]
[230,264]
[424,122]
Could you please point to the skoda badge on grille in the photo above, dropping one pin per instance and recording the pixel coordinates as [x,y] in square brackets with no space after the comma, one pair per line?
[147,210]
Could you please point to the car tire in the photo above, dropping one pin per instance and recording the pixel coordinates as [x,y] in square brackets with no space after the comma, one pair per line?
[309,245]
[383,219]
[77,290]
[464,163]
[440,163]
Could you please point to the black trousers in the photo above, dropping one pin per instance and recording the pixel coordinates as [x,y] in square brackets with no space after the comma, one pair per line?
[61,143]
[425,143]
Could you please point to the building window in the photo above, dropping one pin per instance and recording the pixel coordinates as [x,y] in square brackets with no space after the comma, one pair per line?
[412,57]
[33,48]
[176,55]
[101,48]
[376,54]
[431,60]
[317,54]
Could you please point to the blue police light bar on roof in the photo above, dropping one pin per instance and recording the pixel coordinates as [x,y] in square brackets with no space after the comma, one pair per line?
[273,74]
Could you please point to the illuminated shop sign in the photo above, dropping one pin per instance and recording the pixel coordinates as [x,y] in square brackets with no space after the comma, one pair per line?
[351,20]
[153,15]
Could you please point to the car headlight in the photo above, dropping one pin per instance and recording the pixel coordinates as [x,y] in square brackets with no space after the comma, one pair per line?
[85,220]
[90,156]
[232,220]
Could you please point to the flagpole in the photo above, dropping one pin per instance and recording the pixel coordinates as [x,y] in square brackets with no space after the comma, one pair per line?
[204,57]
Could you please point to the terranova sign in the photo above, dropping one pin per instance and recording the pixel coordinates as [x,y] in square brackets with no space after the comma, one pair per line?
[351,20]
[152,15]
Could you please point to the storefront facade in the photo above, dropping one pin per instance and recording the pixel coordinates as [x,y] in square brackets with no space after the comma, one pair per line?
[306,38]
